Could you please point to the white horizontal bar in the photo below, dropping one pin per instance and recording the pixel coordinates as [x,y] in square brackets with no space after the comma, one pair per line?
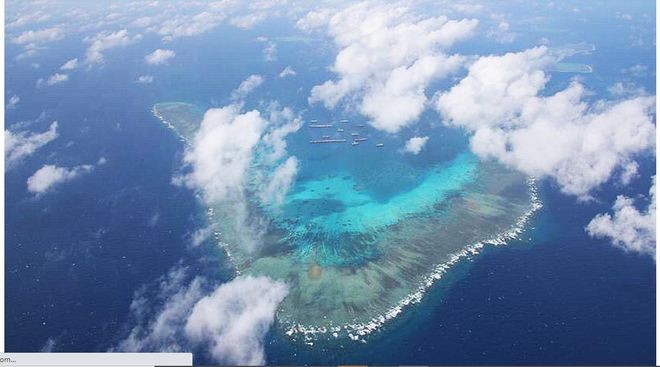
[95,359]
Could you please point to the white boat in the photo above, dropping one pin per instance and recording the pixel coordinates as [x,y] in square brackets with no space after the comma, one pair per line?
[380,145]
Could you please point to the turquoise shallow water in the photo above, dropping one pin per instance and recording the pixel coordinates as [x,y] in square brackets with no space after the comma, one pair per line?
[324,216]
[364,229]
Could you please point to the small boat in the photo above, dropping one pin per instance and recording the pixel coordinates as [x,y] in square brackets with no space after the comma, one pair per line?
[359,139]
[313,120]
[355,143]
[354,134]
[380,145]
[344,121]
[340,130]
[320,126]
[360,125]
[326,136]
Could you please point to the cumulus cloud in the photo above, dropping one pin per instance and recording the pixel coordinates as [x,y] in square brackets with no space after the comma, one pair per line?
[229,322]
[12,102]
[28,18]
[200,236]
[222,151]
[387,58]
[233,320]
[40,36]
[106,40]
[159,328]
[280,182]
[224,148]
[248,21]
[284,122]
[415,144]
[56,78]
[145,79]
[287,71]
[48,176]
[187,26]
[270,51]
[502,32]
[628,227]
[30,50]
[159,57]
[32,41]
[70,65]
[560,136]
[19,145]
[251,83]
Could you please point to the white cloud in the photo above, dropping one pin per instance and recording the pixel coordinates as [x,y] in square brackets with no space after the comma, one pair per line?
[270,51]
[40,36]
[637,70]
[247,86]
[233,320]
[187,26]
[280,182]
[620,89]
[222,152]
[628,227]
[415,144]
[143,22]
[285,122]
[502,33]
[13,102]
[70,65]
[200,236]
[30,50]
[287,71]
[387,58]
[29,18]
[56,78]
[48,176]
[559,136]
[159,57]
[105,41]
[145,79]
[230,322]
[629,171]
[495,89]
[248,21]
[159,328]
[20,145]
[467,8]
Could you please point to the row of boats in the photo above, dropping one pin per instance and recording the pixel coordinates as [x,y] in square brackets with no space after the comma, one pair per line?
[326,139]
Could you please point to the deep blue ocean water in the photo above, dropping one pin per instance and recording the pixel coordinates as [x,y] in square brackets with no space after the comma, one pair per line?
[75,257]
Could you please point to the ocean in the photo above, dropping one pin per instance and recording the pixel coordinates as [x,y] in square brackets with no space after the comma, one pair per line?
[76,256]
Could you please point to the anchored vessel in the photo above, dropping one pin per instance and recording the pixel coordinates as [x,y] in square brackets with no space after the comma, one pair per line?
[321,141]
